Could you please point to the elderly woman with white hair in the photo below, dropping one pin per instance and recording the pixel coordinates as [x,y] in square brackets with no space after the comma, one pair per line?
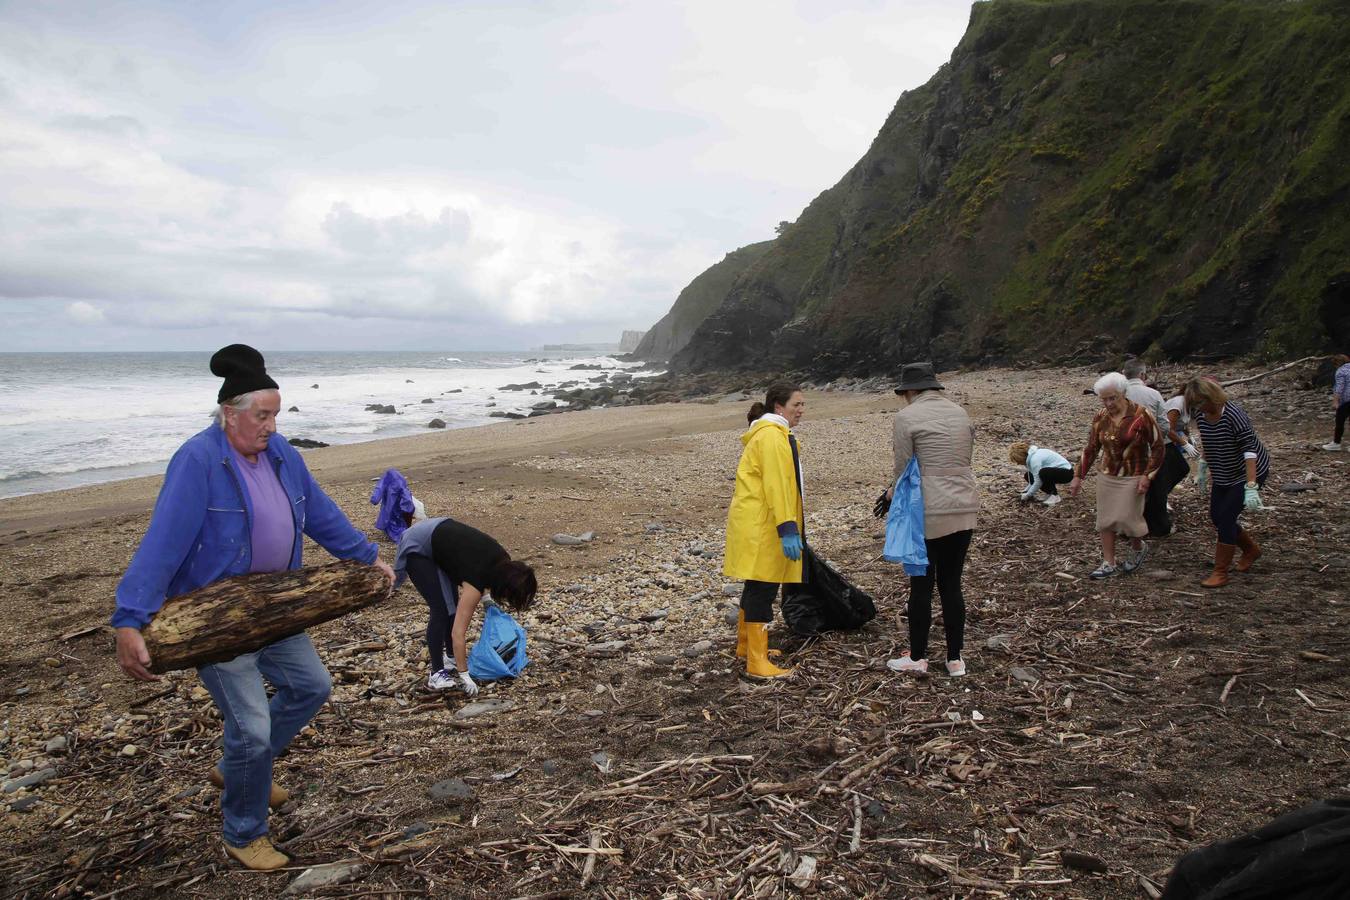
[1130,444]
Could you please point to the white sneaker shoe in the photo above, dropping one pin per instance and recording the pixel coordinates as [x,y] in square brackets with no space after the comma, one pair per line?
[441,681]
[908,666]
[1052,500]
[1136,559]
[1332,445]
[956,667]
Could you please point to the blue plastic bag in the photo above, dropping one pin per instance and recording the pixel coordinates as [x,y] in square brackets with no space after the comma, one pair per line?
[904,523]
[500,649]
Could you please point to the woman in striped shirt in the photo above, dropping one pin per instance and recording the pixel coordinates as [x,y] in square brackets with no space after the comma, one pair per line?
[1238,466]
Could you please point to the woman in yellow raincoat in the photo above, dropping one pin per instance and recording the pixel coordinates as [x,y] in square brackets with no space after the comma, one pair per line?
[764,523]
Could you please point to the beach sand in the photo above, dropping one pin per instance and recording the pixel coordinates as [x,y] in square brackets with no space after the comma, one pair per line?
[1121,746]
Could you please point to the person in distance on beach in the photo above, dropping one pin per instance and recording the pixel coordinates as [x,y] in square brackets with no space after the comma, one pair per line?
[765,523]
[1238,467]
[1340,400]
[1045,470]
[1156,515]
[939,434]
[238,498]
[1180,450]
[453,565]
[1130,443]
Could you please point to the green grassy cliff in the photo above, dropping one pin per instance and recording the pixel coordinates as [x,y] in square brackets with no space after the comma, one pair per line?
[1166,177]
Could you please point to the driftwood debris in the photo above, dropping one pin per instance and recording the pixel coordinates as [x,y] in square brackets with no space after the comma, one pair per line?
[241,614]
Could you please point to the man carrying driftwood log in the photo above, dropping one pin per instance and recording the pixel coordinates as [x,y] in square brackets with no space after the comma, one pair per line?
[237,498]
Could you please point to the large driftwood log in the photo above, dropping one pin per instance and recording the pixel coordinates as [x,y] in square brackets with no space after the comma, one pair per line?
[241,614]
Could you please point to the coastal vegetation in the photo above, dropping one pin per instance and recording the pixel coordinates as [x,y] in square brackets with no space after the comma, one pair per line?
[1160,177]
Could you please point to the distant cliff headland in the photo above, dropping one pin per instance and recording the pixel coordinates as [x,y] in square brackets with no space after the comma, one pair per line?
[1158,177]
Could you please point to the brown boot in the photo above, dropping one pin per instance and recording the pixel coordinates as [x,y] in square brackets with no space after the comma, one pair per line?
[757,652]
[1251,551]
[259,855]
[1223,558]
[276,799]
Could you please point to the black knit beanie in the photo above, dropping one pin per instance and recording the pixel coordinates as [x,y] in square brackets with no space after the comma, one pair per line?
[242,368]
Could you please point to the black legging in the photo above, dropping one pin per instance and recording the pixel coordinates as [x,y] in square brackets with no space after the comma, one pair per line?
[1051,476]
[946,560]
[1174,468]
[426,577]
[757,600]
[1342,413]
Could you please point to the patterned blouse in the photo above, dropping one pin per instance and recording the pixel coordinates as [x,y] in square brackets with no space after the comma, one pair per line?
[1133,446]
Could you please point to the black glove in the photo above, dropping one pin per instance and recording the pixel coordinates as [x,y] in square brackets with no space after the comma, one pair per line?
[882,507]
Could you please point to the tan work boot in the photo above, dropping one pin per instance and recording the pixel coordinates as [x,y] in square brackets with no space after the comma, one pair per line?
[757,652]
[259,855]
[275,800]
[1251,551]
[1223,558]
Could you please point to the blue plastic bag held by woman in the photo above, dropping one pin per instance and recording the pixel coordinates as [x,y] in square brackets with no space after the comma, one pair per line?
[500,649]
[904,523]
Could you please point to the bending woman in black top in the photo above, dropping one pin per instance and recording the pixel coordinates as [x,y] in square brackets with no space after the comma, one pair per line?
[452,565]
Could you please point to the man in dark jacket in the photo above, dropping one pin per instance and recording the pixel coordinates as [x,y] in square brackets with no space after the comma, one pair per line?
[238,498]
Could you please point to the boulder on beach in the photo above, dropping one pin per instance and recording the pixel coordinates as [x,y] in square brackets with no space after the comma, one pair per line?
[384,409]
[428,400]
[305,443]
[528,386]
[293,409]
[436,423]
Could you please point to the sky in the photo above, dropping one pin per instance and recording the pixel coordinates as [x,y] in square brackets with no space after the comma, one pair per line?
[417,175]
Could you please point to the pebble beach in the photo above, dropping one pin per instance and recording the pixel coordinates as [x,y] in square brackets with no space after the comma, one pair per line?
[632,671]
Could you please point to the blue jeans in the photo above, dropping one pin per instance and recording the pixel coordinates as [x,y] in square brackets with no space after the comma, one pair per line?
[256,730]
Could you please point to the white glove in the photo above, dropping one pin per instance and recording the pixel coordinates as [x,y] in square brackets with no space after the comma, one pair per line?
[466,681]
[1189,451]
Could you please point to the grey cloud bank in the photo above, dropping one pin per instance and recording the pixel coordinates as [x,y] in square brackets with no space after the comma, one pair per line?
[469,176]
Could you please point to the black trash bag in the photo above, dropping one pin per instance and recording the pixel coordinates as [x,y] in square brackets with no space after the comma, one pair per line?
[824,601]
[1299,856]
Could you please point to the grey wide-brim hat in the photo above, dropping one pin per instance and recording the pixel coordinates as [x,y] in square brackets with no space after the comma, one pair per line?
[918,377]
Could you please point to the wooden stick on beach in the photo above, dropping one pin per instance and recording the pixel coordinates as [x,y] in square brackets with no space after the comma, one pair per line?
[241,614]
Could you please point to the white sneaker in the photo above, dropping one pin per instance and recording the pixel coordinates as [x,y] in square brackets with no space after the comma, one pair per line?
[956,667]
[908,666]
[1041,496]
[1333,445]
[1105,570]
[1051,500]
[1136,559]
[441,681]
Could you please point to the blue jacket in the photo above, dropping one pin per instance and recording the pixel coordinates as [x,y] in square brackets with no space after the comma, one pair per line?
[395,500]
[200,531]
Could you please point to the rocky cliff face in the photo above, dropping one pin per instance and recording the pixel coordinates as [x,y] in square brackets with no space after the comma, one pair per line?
[702,297]
[1165,177]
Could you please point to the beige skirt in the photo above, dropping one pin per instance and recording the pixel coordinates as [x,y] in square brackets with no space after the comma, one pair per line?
[1120,506]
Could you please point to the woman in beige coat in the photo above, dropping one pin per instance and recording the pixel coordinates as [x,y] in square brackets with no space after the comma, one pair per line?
[938,432]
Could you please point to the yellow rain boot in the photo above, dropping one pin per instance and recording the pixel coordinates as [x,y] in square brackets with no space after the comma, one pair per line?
[757,652]
[740,634]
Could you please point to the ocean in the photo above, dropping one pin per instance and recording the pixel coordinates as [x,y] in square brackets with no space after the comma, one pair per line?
[70,419]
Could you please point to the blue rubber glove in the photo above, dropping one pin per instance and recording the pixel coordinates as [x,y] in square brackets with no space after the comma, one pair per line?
[1251,497]
[792,546]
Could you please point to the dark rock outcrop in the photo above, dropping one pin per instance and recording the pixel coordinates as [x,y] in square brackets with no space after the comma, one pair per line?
[1168,175]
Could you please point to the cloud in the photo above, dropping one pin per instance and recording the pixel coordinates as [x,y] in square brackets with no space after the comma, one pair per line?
[346,173]
[82,313]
